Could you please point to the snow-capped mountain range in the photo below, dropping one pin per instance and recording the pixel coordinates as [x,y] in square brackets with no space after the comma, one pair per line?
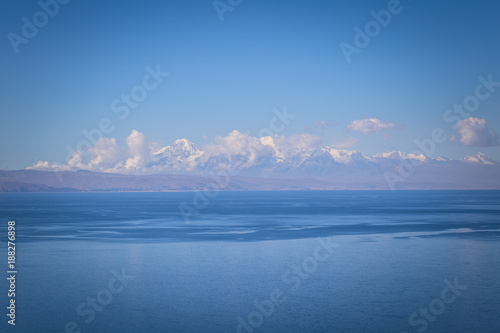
[276,159]
[267,156]
[267,163]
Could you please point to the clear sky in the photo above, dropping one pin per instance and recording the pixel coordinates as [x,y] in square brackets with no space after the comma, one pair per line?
[230,74]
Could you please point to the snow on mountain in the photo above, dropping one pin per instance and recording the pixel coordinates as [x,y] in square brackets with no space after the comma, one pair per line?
[181,147]
[442,159]
[479,158]
[266,155]
[182,154]
[346,156]
[269,141]
[296,155]
[400,155]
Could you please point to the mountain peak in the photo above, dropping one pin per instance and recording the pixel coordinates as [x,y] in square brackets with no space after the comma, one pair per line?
[183,143]
[345,156]
[480,158]
[400,155]
[267,141]
[180,147]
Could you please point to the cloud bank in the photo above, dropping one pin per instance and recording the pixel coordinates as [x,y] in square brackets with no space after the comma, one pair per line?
[475,132]
[295,155]
[370,125]
[142,156]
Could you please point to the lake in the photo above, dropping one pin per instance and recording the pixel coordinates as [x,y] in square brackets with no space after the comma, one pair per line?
[284,261]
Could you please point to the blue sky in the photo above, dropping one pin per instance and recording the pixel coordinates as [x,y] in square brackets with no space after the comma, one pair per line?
[230,74]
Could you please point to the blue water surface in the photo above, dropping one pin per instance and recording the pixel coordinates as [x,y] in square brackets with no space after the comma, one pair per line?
[284,261]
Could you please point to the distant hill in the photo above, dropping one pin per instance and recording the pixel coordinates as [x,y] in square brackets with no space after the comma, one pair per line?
[47,181]
[464,176]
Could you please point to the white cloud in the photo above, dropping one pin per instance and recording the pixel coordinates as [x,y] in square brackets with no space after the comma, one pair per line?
[236,151]
[296,143]
[238,144]
[234,143]
[104,154]
[475,132]
[107,156]
[76,161]
[140,150]
[370,125]
[43,165]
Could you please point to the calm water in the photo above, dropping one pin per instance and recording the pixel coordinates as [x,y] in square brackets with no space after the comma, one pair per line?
[346,261]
